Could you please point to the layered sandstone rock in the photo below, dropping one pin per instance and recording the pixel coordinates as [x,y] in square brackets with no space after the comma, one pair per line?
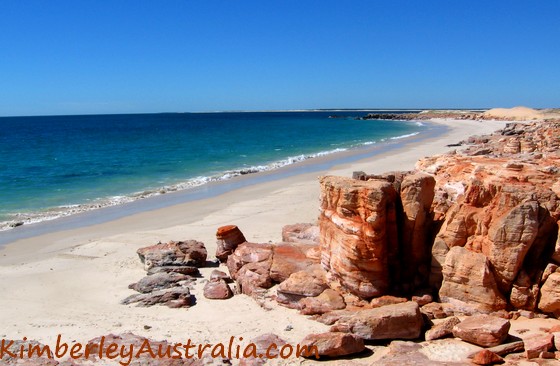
[469,283]
[358,224]
[504,207]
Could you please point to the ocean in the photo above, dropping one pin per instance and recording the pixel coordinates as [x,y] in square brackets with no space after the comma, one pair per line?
[55,166]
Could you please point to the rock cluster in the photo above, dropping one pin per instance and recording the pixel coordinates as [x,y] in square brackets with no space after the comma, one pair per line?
[170,268]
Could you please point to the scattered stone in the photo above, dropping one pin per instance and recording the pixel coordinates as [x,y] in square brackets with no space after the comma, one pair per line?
[399,321]
[423,300]
[217,289]
[386,300]
[328,300]
[507,348]
[176,297]
[181,253]
[186,270]
[486,357]
[308,283]
[159,281]
[263,344]
[219,275]
[229,237]
[334,344]
[442,329]
[482,330]
[537,343]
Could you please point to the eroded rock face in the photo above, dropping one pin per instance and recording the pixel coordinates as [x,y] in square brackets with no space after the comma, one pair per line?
[417,194]
[503,205]
[358,223]
[399,321]
[469,283]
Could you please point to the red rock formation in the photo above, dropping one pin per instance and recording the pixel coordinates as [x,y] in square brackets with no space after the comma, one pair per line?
[358,223]
[503,207]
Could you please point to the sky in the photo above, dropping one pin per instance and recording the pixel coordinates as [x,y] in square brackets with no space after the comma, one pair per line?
[120,56]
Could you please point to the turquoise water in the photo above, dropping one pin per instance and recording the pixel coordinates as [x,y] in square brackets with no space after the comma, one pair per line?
[57,165]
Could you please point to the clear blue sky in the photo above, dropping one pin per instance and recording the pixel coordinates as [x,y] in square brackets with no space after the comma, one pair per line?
[80,57]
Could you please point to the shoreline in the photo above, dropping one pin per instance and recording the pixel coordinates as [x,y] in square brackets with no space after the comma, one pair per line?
[70,282]
[82,215]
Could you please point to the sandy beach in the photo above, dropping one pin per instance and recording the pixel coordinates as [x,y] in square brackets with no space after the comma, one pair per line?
[70,282]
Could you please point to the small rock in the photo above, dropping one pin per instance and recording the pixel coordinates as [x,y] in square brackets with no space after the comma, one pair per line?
[217,290]
[219,275]
[159,281]
[423,300]
[387,300]
[537,343]
[443,329]
[328,300]
[485,357]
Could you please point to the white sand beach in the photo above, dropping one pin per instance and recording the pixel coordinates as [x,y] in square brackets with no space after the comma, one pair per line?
[71,282]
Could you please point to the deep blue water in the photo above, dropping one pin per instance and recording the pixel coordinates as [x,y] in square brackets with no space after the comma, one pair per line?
[49,163]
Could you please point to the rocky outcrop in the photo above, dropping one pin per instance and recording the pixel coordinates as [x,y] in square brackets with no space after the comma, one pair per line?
[169,267]
[400,321]
[502,206]
[375,232]
[358,224]
[257,267]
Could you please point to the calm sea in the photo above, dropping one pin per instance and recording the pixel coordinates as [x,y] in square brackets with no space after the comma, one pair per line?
[58,165]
